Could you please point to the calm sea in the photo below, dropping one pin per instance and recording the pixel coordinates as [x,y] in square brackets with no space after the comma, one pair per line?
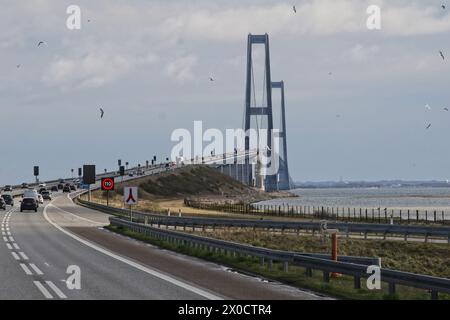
[391,198]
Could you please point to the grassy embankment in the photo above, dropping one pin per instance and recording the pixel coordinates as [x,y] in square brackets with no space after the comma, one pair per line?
[340,288]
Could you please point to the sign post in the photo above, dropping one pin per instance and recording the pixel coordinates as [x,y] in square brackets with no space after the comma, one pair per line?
[107,185]
[130,197]
[89,176]
[36,173]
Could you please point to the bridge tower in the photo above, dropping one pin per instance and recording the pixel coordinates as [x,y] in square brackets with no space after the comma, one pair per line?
[284,179]
[270,181]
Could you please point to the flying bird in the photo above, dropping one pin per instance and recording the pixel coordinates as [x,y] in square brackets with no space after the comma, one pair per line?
[101,113]
[211,79]
[428,126]
[295,9]
[18,66]
[446,109]
[40,43]
[442,55]
[443,6]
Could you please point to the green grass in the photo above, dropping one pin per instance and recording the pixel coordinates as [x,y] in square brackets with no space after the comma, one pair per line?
[416,257]
[339,288]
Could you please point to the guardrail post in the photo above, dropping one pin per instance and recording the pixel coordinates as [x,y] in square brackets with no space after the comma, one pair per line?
[326,276]
[392,288]
[261,261]
[308,272]
[270,264]
[406,237]
[286,266]
[357,282]
[434,295]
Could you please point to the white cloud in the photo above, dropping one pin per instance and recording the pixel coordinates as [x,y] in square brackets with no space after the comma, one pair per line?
[181,69]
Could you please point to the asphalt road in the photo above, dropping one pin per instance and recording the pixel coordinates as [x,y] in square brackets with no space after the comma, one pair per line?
[38,248]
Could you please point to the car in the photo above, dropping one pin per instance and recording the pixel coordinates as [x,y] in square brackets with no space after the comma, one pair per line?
[29,204]
[2,204]
[40,198]
[9,200]
[42,185]
[73,188]
[60,186]
[24,185]
[66,188]
[31,193]
[46,195]
[42,190]
[61,180]
[54,188]
[8,188]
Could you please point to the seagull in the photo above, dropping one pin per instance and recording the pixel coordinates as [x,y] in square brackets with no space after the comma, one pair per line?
[443,6]
[428,107]
[442,55]
[295,9]
[446,109]
[101,113]
[40,42]
[428,126]
[211,79]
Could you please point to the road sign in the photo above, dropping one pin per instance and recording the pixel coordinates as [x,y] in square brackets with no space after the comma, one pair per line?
[130,195]
[119,162]
[108,184]
[89,174]
[122,170]
[36,171]
[80,172]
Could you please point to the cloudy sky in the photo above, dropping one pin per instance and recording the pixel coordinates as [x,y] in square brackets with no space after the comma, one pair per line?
[148,63]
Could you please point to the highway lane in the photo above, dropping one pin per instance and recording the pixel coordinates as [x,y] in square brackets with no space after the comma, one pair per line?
[47,253]
[63,234]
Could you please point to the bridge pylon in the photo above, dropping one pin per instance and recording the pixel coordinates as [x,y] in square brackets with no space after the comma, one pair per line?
[270,180]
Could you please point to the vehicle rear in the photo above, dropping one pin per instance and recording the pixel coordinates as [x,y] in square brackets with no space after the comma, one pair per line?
[8,198]
[29,204]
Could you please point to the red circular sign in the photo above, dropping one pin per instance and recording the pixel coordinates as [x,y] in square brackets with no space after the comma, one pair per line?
[107,184]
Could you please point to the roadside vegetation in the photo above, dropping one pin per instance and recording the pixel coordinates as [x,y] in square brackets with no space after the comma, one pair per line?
[339,288]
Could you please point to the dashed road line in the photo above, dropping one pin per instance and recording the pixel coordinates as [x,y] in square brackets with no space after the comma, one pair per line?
[43,290]
[15,255]
[58,292]
[26,269]
[36,269]
[23,255]
[9,246]
[16,246]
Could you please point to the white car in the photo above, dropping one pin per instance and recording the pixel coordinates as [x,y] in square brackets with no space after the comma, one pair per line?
[31,193]
[40,199]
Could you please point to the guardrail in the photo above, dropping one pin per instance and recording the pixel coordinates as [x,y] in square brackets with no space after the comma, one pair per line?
[310,263]
[344,228]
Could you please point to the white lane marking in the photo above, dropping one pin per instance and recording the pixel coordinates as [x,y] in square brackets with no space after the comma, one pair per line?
[5,239]
[15,255]
[16,246]
[36,269]
[154,273]
[26,270]
[78,217]
[11,239]
[23,255]
[8,233]
[9,246]
[58,292]
[43,290]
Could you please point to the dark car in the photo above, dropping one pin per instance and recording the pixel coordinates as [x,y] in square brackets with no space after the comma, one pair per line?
[73,188]
[8,189]
[54,188]
[24,185]
[9,200]
[66,189]
[42,190]
[46,195]
[2,204]
[29,204]
[60,186]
